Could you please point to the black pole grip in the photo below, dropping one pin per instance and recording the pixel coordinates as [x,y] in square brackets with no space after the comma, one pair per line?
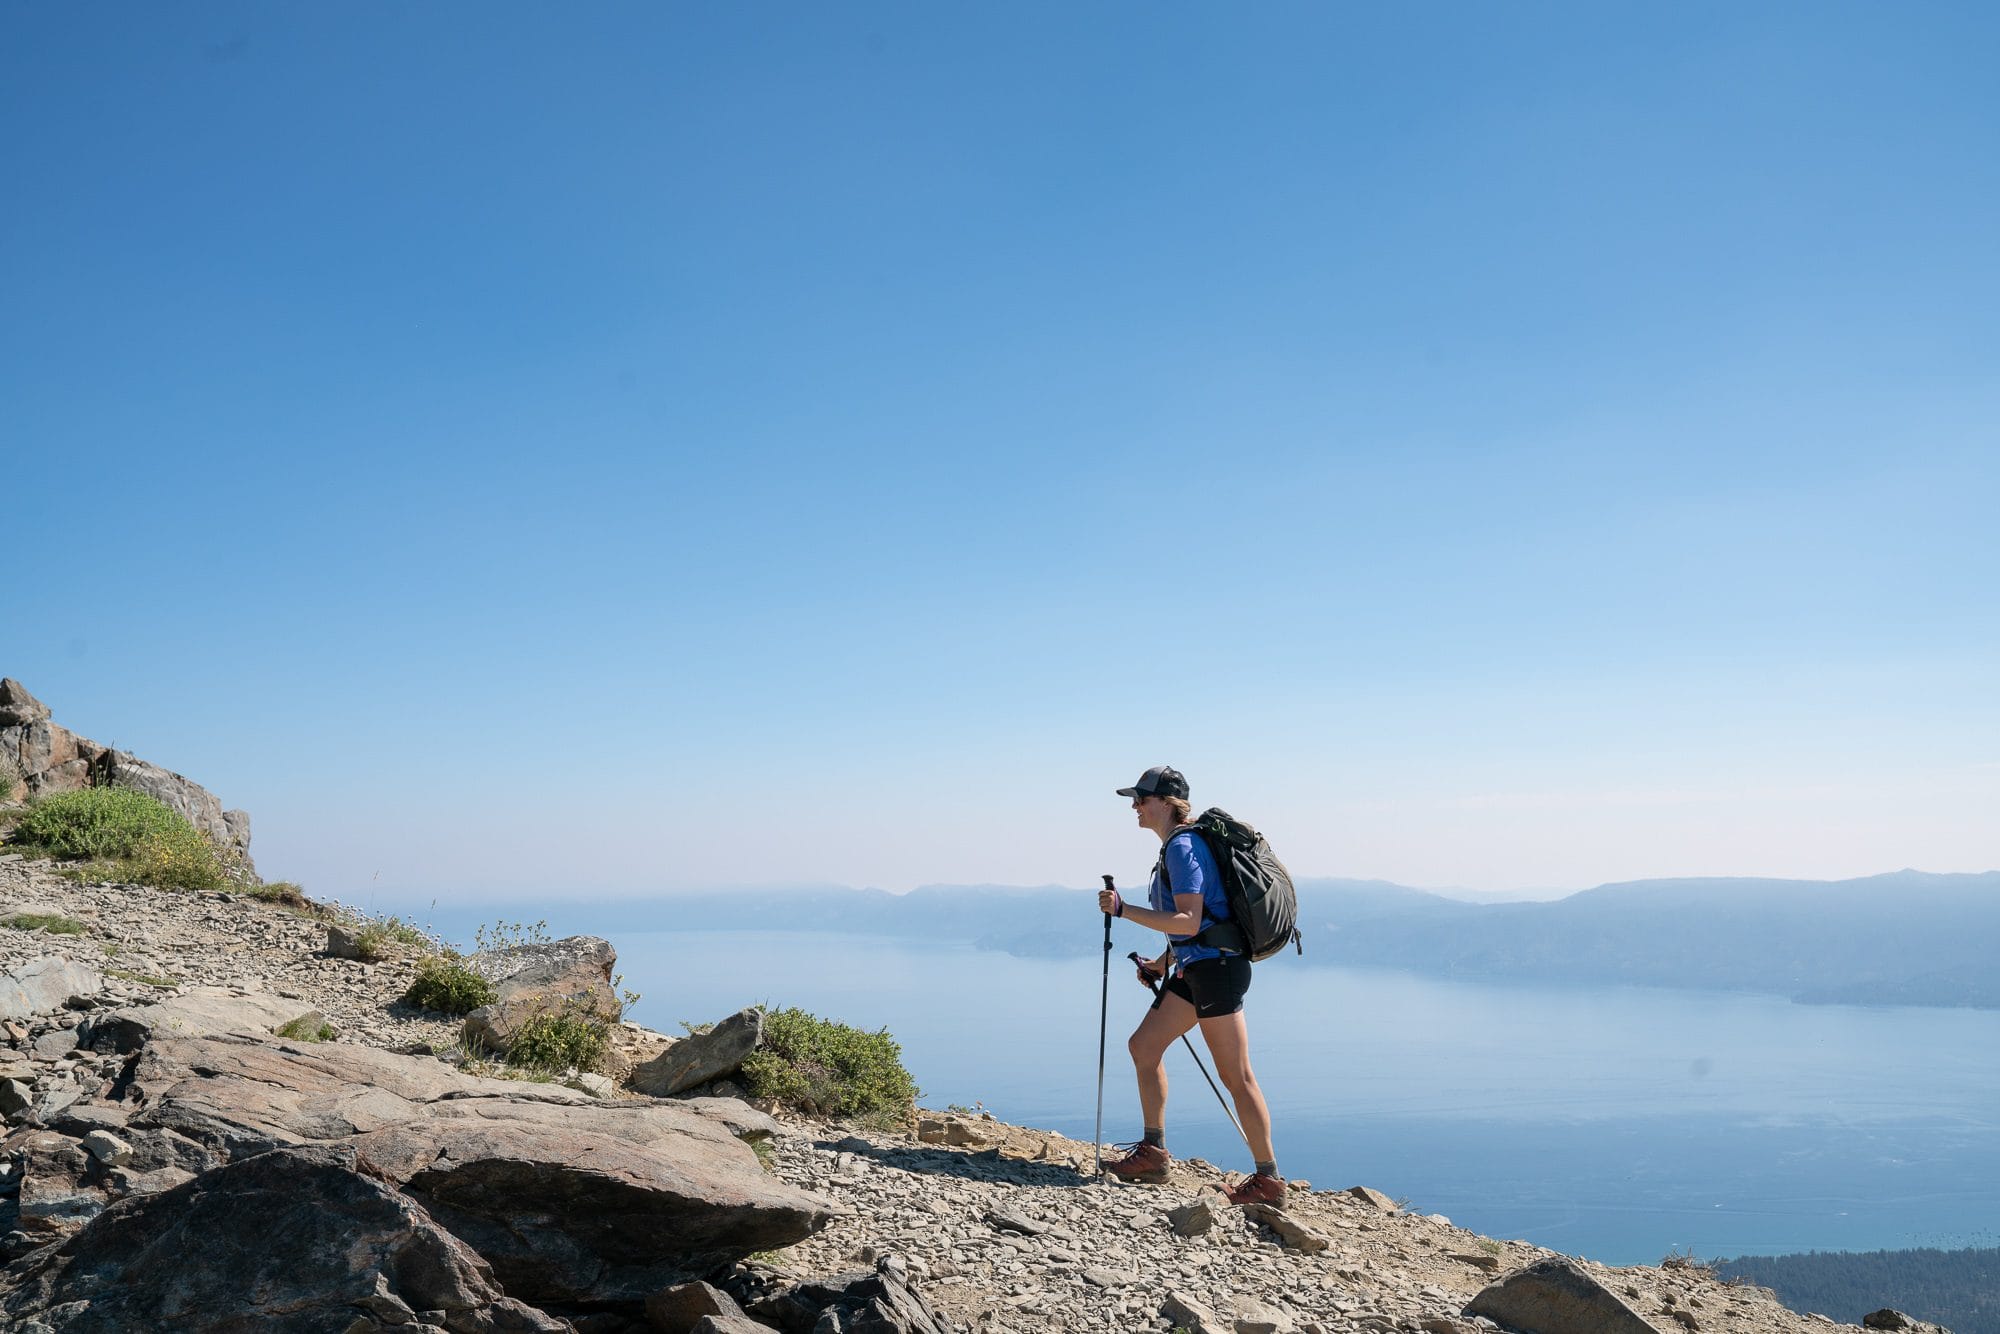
[1138,962]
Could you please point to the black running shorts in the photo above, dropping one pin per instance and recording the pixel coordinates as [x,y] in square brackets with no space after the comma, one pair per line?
[1214,987]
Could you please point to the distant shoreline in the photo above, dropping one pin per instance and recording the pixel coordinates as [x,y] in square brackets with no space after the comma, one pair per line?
[1906,939]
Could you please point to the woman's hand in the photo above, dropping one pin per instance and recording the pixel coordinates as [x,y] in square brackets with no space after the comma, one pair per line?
[1108,902]
[1150,973]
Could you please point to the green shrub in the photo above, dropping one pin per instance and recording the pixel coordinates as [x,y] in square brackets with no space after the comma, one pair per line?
[95,822]
[178,859]
[121,834]
[825,1068]
[281,892]
[443,983]
[378,936]
[149,979]
[38,921]
[308,1028]
[561,1039]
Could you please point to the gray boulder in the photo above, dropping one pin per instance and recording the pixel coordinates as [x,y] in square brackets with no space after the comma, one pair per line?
[571,1200]
[1187,1313]
[1192,1220]
[1374,1199]
[1249,1316]
[344,942]
[198,1012]
[1289,1229]
[42,986]
[679,1309]
[1890,1318]
[292,1242]
[572,975]
[881,1302]
[730,1324]
[701,1057]
[1556,1296]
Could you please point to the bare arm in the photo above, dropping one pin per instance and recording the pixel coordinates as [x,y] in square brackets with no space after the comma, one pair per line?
[1184,921]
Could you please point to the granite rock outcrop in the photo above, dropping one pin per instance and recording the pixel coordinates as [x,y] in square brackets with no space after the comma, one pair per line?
[39,756]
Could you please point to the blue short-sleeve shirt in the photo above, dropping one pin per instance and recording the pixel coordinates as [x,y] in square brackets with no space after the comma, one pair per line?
[1191,869]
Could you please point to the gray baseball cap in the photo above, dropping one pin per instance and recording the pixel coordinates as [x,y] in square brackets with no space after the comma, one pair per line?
[1158,781]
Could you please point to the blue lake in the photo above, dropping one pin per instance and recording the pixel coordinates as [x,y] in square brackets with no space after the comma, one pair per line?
[1613,1123]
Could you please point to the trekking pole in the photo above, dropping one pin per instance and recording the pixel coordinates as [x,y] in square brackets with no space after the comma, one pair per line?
[1134,957]
[1103,1010]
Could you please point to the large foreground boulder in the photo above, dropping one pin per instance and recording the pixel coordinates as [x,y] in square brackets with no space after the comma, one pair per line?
[293,1242]
[1556,1296]
[570,1199]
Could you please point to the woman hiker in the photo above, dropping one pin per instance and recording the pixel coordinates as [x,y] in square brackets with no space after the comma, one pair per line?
[1204,986]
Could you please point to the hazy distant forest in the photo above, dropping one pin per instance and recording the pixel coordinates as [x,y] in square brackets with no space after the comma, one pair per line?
[1957,1289]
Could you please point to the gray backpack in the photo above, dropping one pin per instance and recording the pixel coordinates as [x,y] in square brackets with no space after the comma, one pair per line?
[1263,906]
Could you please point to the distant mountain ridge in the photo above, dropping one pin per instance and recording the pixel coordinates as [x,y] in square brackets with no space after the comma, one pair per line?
[1907,937]
[1904,938]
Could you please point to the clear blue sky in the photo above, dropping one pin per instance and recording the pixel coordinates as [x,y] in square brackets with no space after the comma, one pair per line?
[515,449]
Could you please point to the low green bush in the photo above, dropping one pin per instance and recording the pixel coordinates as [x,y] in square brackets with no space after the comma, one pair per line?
[180,858]
[377,937]
[443,983]
[825,1068]
[282,892]
[120,834]
[308,1028]
[95,822]
[148,979]
[561,1040]
[38,921]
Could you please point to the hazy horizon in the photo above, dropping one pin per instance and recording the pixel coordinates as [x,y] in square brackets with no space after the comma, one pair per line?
[376,898]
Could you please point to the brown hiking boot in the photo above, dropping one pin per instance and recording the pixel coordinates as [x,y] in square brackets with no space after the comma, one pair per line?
[1259,1189]
[1146,1163]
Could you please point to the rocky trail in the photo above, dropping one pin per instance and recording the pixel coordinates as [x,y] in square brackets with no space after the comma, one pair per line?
[374,1181]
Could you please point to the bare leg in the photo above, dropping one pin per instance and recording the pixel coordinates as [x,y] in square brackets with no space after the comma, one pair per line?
[1228,1040]
[1148,1045]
